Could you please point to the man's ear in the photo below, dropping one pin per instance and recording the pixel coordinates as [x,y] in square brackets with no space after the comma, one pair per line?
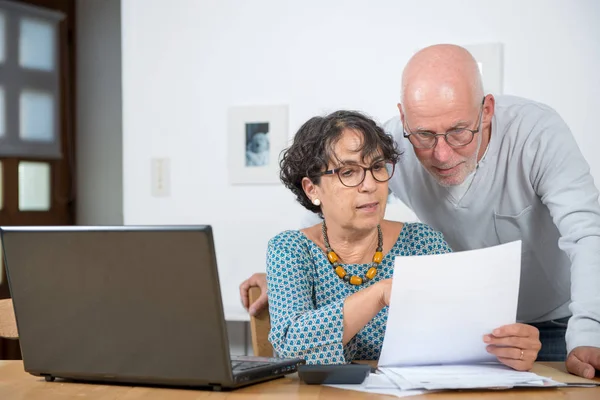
[489,108]
[399,105]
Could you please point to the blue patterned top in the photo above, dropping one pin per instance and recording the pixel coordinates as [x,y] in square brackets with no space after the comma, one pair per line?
[306,297]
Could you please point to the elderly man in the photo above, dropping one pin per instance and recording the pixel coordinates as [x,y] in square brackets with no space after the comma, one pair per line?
[486,171]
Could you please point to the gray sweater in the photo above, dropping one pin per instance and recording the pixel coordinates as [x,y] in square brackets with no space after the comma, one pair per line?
[533,184]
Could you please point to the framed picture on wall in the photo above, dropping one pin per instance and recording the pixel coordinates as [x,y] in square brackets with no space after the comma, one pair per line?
[256,137]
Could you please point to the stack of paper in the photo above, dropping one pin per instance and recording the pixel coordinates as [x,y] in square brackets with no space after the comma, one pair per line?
[411,381]
[464,377]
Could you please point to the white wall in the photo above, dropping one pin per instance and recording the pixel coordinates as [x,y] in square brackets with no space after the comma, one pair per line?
[99,119]
[186,61]
[99,136]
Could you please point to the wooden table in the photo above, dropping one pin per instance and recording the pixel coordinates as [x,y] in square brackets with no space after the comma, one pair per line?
[16,384]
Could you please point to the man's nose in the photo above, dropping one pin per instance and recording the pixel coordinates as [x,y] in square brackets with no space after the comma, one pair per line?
[442,151]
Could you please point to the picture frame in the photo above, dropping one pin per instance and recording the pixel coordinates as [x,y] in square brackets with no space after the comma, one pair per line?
[256,136]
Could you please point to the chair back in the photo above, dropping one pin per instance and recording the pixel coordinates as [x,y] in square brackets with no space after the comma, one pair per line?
[8,324]
[260,325]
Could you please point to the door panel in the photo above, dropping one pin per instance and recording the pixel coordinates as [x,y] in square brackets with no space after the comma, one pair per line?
[34,190]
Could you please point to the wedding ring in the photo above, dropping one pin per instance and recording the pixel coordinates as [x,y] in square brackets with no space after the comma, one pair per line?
[521,357]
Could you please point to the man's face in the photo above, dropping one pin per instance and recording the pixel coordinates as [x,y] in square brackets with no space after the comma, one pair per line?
[449,165]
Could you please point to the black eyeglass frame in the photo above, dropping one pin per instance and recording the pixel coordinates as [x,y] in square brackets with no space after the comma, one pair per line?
[365,169]
[407,133]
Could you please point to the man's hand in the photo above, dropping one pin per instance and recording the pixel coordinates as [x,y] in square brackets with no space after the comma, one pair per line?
[260,280]
[584,361]
[515,345]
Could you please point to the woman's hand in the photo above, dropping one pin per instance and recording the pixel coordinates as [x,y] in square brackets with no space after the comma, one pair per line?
[361,307]
[515,345]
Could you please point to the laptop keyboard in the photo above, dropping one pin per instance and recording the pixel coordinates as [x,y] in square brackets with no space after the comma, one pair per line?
[238,366]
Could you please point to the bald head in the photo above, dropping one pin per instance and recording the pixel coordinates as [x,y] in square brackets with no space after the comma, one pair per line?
[441,73]
[442,93]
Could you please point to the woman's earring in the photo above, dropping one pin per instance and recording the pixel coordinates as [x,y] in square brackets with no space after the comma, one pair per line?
[316,202]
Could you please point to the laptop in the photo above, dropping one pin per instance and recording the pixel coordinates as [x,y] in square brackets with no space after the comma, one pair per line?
[134,305]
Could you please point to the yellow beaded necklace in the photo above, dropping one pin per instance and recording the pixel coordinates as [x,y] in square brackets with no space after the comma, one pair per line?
[341,272]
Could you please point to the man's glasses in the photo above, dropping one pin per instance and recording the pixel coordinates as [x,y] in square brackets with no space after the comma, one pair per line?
[353,175]
[455,138]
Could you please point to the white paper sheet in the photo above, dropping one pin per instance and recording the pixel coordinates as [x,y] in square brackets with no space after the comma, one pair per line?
[442,305]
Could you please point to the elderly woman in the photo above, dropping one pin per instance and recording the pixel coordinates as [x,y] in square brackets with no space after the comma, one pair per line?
[329,285]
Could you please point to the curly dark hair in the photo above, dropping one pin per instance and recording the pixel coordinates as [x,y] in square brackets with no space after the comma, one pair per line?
[312,149]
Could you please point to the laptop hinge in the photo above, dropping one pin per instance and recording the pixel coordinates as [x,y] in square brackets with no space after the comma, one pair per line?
[216,387]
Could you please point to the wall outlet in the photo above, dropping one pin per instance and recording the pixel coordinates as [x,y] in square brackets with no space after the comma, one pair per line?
[160,175]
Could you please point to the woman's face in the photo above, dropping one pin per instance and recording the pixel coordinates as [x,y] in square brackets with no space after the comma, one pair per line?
[358,208]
